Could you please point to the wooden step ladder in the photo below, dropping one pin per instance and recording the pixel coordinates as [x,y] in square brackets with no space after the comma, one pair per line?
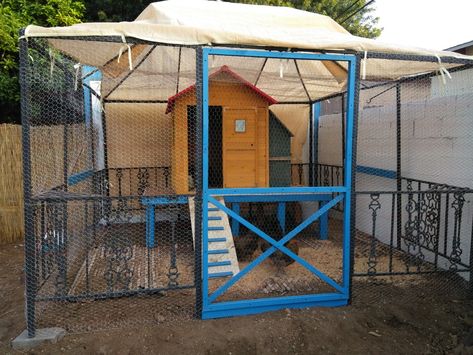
[222,258]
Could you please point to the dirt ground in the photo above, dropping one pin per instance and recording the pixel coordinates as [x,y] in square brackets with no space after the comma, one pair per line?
[385,322]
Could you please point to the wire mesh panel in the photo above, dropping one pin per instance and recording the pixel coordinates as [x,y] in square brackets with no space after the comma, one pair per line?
[164,183]
[112,200]
[267,235]
[413,220]
[414,183]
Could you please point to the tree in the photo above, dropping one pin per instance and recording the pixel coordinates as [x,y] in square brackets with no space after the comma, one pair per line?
[114,10]
[15,14]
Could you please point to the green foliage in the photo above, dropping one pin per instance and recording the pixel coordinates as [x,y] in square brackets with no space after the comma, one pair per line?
[15,14]
[114,10]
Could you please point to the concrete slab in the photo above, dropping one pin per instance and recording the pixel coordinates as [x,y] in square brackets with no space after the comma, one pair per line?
[52,335]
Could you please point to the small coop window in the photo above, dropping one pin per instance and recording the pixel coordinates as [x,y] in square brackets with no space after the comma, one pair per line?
[240,126]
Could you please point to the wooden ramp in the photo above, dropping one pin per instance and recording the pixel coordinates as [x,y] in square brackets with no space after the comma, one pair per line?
[223,261]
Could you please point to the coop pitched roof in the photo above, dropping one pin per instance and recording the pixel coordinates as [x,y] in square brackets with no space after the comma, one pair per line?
[280,123]
[225,70]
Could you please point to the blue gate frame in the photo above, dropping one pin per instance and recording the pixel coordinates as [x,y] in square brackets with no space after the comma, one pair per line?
[213,309]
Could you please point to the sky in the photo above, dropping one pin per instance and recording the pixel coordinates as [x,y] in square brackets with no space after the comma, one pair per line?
[432,24]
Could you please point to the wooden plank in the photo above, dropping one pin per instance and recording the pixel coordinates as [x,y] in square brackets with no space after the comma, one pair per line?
[220,238]
[232,96]
[228,244]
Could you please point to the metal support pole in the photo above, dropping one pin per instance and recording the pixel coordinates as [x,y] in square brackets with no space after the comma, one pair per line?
[343,128]
[311,146]
[62,224]
[316,109]
[199,187]
[30,255]
[398,167]
[353,173]
[470,282]
[105,152]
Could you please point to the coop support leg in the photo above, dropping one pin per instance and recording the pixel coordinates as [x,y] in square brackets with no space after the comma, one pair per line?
[150,224]
[282,216]
[323,223]
[235,223]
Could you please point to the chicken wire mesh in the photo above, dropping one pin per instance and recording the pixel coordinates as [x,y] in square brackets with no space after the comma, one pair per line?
[113,189]
[111,237]
[413,224]
[251,145]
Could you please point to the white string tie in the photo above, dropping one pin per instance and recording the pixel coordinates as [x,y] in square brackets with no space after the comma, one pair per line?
[363,66]
[125,47]
[102,108]
[283,64]
[444,73]
[77,68]
[52,60]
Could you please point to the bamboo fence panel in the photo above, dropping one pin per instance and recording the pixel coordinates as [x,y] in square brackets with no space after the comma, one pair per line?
[11,184]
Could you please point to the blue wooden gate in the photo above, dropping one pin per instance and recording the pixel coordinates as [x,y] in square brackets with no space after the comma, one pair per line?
[212,200]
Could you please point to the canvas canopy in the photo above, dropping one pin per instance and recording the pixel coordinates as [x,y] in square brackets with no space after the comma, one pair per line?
[198,22]
[154,71]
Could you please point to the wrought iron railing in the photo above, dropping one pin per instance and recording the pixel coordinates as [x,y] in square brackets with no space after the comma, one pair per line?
[323,174]
[102,252]
[420,229]
[134,181]
[423,228]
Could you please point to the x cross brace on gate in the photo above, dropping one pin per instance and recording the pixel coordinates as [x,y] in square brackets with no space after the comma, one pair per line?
[276,245]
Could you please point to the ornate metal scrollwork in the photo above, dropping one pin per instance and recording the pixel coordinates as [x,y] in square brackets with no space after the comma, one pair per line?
[118,251]
[143,180]
[300,171]
[53,248]
[414,228]
[173,273]
[119,176]
[457,205]
[119,212]
[118,247]
[430,214]
[167,174]
[326,174]
[374,206]
[337,175]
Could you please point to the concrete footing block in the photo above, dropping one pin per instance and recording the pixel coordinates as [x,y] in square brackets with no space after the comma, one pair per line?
[52,335]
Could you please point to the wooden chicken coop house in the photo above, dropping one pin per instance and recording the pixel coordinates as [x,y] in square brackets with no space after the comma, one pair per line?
[239,126]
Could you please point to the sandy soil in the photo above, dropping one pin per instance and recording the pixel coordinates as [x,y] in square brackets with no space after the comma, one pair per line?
[389,317]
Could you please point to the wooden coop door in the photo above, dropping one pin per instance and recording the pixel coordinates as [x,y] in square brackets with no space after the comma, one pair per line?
[239,148]
[215,144]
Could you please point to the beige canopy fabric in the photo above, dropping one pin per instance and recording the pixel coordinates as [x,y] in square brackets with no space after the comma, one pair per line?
[197,22]
[157,71]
